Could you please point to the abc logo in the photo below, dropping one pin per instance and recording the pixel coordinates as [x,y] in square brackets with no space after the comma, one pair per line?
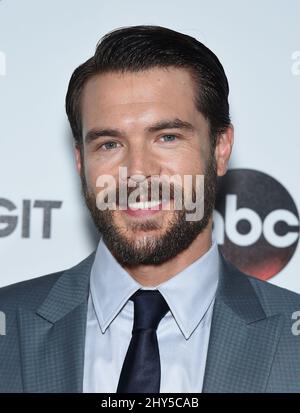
[256,222]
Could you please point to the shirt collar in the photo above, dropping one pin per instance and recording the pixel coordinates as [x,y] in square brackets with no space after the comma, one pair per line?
[188,293]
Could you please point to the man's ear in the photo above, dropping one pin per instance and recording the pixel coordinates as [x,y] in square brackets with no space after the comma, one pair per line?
[223,149]
[78,158]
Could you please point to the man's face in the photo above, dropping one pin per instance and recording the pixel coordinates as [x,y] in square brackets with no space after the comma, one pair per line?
[150,125]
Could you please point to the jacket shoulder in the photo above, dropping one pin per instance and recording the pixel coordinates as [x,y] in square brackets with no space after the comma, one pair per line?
[275,299]
[272,298]
[30,293]
[27,293]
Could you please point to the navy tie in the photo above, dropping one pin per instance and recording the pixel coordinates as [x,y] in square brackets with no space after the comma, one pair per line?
[141,368]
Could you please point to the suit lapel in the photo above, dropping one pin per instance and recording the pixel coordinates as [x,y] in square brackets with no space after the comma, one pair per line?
[242,344]
[52,338]
[243,338]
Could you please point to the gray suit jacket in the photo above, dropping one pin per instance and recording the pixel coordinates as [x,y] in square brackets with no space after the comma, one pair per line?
[251,348]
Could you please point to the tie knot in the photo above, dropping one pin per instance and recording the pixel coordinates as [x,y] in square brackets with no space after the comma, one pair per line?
[149,308]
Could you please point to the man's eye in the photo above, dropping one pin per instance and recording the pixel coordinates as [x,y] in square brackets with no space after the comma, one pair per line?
[169,138]
[108,145]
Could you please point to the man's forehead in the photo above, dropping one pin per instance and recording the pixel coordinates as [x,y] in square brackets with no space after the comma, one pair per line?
[143,95]
[145,85]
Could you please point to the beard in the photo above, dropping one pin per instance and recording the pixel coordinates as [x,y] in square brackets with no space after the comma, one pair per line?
[152,249]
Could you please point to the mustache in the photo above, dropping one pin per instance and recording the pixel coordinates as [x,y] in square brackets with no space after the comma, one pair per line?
[159,193]
[143,194]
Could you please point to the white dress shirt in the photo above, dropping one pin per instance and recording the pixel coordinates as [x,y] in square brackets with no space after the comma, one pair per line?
[183,333]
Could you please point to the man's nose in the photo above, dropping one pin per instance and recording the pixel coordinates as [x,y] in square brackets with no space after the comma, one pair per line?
[141,164]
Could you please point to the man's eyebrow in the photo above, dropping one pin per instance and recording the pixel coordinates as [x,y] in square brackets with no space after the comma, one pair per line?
[170,124]
[98,132]
[156,127]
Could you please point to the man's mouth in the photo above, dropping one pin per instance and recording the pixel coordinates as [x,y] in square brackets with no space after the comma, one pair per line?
[152,205]
[144,208]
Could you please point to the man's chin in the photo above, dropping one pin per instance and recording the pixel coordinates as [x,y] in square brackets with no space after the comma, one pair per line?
[138,233]
[141,224]
[142,238]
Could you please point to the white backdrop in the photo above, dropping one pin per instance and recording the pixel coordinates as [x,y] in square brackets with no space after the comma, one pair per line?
[41,43]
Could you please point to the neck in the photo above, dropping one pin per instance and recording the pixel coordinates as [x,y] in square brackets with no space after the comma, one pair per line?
[153,275]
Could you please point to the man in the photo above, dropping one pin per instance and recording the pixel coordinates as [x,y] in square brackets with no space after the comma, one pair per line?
[156,308]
